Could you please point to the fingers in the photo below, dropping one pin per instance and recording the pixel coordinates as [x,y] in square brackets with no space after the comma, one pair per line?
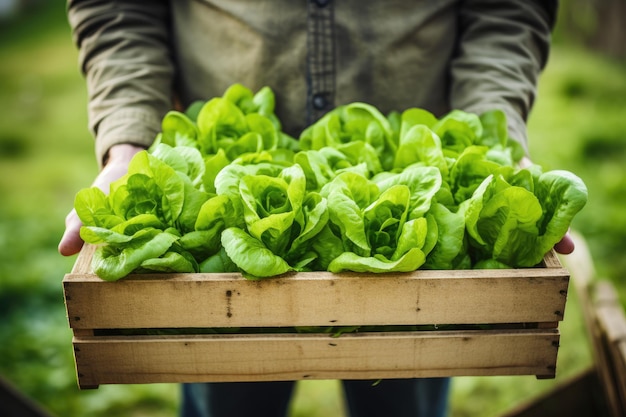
[117,165]
[565,246]
[71,243]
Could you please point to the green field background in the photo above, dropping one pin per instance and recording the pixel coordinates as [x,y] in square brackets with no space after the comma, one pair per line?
[46,156]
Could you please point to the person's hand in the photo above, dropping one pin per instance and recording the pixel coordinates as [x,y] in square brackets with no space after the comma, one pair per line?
[116,167]
[565,245]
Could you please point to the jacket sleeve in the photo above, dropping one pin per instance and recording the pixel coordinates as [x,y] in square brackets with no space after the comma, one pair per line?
[503,47]
[124,53]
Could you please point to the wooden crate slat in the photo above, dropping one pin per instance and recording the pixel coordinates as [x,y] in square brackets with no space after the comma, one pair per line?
[598,301]
[154,359]
[611,322]
[83,260]
[226,301]
[551,260]
[182,301]
[317,299]
[620,355]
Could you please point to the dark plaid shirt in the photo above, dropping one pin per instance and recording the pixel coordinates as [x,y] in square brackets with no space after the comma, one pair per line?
[316,54]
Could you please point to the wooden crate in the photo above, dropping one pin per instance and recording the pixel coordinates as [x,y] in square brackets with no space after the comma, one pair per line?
[518,311]
[605,319]
[600,389]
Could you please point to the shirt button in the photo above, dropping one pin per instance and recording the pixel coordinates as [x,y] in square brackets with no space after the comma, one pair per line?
[321,3]
[319,102]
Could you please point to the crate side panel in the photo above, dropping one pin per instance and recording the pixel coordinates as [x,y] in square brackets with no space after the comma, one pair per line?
[289,357]
[208,300]
[551,260]
[83,260]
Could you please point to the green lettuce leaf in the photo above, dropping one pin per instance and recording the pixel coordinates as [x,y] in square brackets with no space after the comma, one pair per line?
[517,227]
[349,261]
[112,262]
[495,132]
[314,217]
[458,130]
[470,170]
[450,251]
[224,188]
[93,208]
[351,123]
[423,182]
[562,195]
[271,204]
[171,261]
[219,262]
[420,145]
[251,255]
[348,195]
[177,129]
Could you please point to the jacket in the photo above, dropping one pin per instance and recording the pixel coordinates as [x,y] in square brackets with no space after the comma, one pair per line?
[139,57]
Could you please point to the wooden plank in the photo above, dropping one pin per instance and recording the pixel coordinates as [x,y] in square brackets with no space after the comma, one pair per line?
[83,260]
[551,260]
[611,322]
[617,351]
[14,403]
[620,355]
[316,298]
[226,300]
[578,396]
[512,297]
[223,358]
[609,375]
[592,295]
[604,293]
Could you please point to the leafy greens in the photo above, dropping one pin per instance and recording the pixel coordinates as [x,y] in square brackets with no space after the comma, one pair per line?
[223,188]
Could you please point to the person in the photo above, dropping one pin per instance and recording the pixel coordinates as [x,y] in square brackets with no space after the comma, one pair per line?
[140,58]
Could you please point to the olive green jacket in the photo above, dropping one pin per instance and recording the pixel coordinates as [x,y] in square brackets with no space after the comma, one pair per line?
[474,55]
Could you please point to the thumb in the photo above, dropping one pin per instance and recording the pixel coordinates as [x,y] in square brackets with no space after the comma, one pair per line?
[71,243]
[565,246]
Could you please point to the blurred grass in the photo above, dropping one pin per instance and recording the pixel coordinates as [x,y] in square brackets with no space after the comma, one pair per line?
[46,155]
[579,125]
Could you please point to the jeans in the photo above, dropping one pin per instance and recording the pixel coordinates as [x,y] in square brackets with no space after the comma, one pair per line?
[427,397]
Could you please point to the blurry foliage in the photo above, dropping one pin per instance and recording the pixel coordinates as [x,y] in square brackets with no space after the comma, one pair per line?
[12,146]
[578,124]
[46,155]
[599,25]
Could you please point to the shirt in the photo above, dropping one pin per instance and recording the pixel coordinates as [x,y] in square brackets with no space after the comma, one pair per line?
[138,56]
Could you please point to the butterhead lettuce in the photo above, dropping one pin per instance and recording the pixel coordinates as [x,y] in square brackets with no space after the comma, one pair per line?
[224,188]
[374,229]
[516,226]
